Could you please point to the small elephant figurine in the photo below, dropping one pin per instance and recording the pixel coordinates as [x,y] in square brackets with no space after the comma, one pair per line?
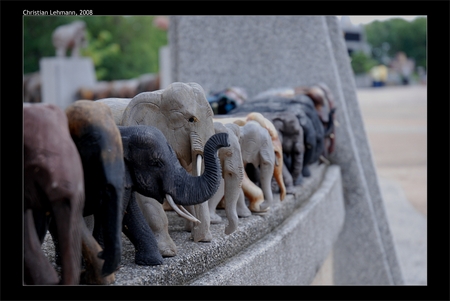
[53,190]
[152,170]
[323,101]
[257,149]
[151,209]
[277,147]
[99,144]
[303,108]
[232,176]
[69,36]
[291,136]
[182,113]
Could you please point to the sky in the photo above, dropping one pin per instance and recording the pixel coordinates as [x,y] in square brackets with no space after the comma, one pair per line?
[356,20]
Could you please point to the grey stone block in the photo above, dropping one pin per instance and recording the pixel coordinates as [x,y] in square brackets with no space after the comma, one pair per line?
[291,241]
[293,252]
[62,77]
[263,52]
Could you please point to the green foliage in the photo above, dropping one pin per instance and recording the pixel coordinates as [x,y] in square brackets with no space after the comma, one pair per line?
[400,35]
[101,49]
[361,63]
[121,47]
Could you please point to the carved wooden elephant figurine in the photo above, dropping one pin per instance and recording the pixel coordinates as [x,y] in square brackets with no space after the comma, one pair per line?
[151,209]
[257,149]
[53,189]
[277,147]
[152,170]
[99,144]
[184,116]
[323,100]
[69,36]
[291,136]
[232,175]
[303,107]
[250,185]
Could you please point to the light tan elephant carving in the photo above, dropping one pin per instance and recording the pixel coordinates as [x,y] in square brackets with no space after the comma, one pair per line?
[230,190]
[277,147]
[253,192]
[69,36]
[257,149]
[183,114]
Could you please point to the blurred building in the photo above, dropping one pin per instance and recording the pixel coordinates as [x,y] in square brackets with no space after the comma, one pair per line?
[355,37]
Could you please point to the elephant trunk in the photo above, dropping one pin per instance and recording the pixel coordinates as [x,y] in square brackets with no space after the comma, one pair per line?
[193,190]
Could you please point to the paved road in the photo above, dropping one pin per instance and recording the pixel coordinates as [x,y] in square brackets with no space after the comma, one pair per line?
[395,119]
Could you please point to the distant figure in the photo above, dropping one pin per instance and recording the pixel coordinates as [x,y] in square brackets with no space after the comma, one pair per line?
[379,75]
[69,36]
[403,66]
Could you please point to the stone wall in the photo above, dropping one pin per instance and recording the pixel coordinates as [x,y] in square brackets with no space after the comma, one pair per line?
[262,52]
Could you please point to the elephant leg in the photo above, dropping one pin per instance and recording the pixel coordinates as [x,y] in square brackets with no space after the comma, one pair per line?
[297,164]
[278,176]
[157,220]
[37,268]
[68,219]
[90,248]
[266,173]
[241,208]
[253,193]
[135,227]
[54,235]
[200,231]
[232,189]
[288,181]
[214,201]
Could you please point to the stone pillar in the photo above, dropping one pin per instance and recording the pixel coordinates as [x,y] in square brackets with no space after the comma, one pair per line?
[164,67]
[262,52]
[62,77]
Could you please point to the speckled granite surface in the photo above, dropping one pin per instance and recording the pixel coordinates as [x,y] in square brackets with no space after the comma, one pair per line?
[194,259]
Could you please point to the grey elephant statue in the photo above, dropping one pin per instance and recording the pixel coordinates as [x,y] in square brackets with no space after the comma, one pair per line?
[152,170]
[151,209]
[69,36]
[53,190]
[182,113]
[291,136]
[323,101]
[232,176]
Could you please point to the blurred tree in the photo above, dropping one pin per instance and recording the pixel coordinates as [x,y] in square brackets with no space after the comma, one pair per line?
[361,63]
[121,47]
[400,35]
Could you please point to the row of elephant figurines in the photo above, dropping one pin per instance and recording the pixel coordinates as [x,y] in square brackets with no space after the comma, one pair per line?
[188,100]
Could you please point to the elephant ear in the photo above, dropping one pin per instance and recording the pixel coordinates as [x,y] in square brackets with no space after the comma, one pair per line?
[234,128]
[126,156]
[143,107]
[219,127]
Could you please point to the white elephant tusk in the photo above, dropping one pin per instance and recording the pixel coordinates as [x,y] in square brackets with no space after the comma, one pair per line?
[185,214]
[199,164]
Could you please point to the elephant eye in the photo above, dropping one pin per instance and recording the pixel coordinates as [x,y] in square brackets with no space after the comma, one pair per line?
[193,119]
[156,162]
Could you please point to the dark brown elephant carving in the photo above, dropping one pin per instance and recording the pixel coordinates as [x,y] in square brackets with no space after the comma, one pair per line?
[99,144]
[53,189]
